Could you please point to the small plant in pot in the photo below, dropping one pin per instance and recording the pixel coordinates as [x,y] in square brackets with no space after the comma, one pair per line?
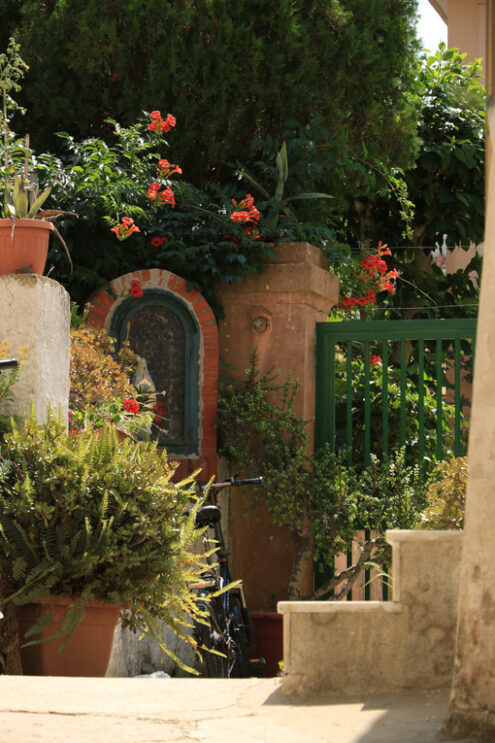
[84,519]
[25,227]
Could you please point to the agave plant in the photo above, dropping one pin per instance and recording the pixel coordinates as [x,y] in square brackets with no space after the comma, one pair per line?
[278,202]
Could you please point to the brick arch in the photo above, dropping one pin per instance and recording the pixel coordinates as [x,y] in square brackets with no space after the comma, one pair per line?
[106,303]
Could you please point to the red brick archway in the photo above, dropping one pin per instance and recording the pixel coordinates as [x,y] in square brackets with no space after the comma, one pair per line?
[107,301]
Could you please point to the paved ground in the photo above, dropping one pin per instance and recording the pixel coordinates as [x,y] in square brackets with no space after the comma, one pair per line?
[52,710]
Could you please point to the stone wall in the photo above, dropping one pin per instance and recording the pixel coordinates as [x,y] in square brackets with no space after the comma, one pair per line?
[363,647]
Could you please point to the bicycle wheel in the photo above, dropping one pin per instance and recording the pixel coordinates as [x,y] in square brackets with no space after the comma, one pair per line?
[239,665]
[212,638]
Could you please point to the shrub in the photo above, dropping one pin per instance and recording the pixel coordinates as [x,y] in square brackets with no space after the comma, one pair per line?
[446,497]
[96,375]
[85,517]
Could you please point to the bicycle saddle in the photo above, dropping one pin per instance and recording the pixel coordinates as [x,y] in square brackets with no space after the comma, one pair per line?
[208,515]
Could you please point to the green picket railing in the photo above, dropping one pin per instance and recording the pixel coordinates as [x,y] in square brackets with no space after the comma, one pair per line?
[437,344]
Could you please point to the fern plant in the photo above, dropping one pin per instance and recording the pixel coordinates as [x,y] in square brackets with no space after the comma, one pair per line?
[86,517]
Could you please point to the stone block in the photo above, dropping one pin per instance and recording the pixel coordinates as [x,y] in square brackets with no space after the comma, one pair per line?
[364,647]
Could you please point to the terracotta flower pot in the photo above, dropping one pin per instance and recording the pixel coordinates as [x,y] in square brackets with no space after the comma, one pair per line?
[25,247]
[268,630]
[87,652]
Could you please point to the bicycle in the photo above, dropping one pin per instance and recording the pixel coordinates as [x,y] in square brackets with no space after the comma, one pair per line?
[226,641]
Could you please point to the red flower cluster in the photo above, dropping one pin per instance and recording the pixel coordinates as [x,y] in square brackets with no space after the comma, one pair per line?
[125,229]
[373,277]
[161,125]
[157,241]
[165,197]
[375,361]
[246,211]
[131,406]
[348,303]
[166,169]
[136,290]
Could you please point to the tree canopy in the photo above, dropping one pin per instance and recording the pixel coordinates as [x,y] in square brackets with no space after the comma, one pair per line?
[229,72]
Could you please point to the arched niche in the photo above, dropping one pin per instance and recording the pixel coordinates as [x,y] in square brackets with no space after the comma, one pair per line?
[174,331]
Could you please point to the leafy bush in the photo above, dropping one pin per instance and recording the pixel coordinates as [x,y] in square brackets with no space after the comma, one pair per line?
[446,497]
[312,497]
[101,183]
[101,388]
[83,517]
[96,376]
[319,498]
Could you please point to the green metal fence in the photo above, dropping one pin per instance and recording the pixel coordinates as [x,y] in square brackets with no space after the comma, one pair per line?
[433,355]
[384,384]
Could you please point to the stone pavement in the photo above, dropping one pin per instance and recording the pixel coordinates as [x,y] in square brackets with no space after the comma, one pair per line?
[148,710]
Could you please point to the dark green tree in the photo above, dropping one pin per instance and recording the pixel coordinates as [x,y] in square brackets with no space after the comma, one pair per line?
[228,71]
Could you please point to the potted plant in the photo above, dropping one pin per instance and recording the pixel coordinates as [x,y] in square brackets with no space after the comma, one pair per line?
[25,228]
[86,522]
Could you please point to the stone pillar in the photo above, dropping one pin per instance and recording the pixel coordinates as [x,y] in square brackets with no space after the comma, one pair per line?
[35,313]
[472,707]
[275,313]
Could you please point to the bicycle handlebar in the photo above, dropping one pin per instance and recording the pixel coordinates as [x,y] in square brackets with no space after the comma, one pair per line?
[234,482]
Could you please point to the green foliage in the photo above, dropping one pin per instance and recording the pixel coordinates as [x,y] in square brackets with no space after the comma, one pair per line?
[85,517]
[257,422]
[391,493]
[447,184]
[376,387]
[316,496]
[102,183]
[446,497]
[232,71]
[446,187]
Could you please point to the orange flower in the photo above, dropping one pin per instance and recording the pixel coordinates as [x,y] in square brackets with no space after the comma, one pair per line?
[125,229]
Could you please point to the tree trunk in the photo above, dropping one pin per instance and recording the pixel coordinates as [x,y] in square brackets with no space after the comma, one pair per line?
[303,554]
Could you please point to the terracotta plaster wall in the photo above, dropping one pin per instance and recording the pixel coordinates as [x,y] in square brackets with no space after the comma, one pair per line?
[295,291]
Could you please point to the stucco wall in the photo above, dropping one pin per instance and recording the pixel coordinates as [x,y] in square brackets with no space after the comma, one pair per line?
[467,27]
[35,312]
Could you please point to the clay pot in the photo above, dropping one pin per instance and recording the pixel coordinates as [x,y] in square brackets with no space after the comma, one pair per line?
[268,629]
[24,245]
[87,652]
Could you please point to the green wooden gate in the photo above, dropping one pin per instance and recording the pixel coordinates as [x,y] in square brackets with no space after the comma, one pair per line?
[362,364]
[384,384]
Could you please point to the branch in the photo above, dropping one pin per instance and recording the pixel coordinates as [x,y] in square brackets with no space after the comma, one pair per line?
[349,575]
